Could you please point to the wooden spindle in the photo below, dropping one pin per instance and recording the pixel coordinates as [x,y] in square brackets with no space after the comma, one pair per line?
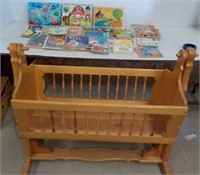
[142,127]
[99,87]
[86,123]
[144,88]
[117,88]
[154,125]
[52,122]
[75,123]
[132,124]
[109,124]
[98,123]
[81,86]
[121,124]
[41,122]
[72,85]
[126,88]
[135,88]
[63,121]
[54,85]
[108,88]
[90,87]
[63,85]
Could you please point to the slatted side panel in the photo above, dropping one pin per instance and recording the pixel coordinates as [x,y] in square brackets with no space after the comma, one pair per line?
[98,123]
[98,86]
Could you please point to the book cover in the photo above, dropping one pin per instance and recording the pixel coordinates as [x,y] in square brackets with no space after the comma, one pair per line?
[123,49]
[54,42]
[123,42]
[76,15]
[43,13]
[126,33]
[108,17]
[97,39]
[148,52]
[58,30]
[74,31]
[107,31]
[32,31]
[76,43]
[37,41]
[147,42]
[94,34]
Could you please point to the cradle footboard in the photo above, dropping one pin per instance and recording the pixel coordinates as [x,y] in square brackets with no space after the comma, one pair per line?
[99,104]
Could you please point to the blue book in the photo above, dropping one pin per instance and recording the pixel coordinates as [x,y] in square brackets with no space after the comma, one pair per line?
[76,43]
[97,39]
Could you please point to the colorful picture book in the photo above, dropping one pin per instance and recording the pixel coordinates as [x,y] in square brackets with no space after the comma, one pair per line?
[148,52]
[107,31]
[74,31]
[124,33]
[43,13]
[58,30]
[54,42]
[123,49]
[123,42]
[76,43]
[36,42]
[97,39]
[77,15]
[32,31]
[108,17]
[147,42]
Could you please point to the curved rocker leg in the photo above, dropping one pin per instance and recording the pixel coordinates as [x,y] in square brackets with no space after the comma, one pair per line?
[26,166]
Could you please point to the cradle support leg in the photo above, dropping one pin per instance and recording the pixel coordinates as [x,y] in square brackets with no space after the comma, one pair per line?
[31,147]
[165,157]
[27,162]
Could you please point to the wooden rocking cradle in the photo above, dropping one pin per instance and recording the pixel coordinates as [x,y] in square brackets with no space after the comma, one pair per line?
[52,102]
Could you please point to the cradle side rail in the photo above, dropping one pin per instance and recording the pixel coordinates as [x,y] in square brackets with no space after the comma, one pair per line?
[123,116]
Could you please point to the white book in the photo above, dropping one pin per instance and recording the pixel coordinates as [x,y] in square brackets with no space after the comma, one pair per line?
[147,42]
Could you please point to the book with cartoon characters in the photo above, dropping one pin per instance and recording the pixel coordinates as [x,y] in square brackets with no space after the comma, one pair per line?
[43,13]
[77,15]
[54,42]
[108,17]
[76,43]
[37,41]
[148,52]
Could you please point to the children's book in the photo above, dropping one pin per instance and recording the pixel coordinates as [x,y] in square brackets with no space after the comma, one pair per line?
[148,52]
[145,31]
[107,31]
[37,41]
[74,31]
[123,49]
[97,39]
[76,43]
[94,34]
[123,42]
[54,42]
[32,31]
[58,30]
[43,13]
[124,33]
[108,17]
[77,15]
[147,42]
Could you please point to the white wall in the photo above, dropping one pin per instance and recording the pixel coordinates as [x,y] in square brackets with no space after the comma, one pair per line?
[5,14]
[158,12]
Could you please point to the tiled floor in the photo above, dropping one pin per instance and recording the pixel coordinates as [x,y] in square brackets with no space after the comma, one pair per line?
[184,157]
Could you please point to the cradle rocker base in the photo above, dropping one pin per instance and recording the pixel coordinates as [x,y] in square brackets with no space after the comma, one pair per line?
[39,152]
